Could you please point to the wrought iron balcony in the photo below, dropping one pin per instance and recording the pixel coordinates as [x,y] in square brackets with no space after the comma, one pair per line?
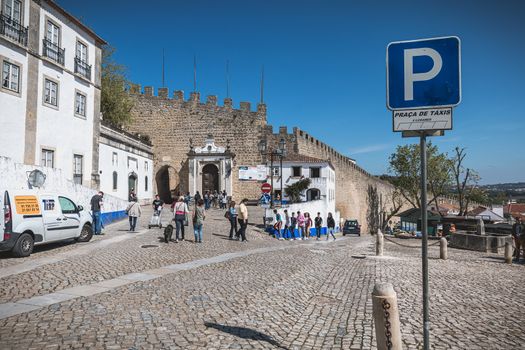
[82,68]
[13,30]
[53,52]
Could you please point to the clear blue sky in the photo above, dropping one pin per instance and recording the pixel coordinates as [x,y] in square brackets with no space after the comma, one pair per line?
[325,65]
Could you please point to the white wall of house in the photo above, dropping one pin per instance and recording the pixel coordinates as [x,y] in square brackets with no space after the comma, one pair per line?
[13,103]
[14,176]
[59,128]
[325,183]
[125,163]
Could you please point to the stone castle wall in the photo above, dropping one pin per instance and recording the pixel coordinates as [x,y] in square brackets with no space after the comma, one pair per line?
[171,122]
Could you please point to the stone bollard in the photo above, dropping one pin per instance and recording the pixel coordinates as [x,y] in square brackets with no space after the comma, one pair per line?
[508,252]
[480,227]
[379,243]
[443,246]
[386,317]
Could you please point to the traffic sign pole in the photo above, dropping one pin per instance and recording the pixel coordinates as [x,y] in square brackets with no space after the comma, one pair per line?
[424,241]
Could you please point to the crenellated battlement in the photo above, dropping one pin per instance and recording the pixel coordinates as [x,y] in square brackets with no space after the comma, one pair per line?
[194,99]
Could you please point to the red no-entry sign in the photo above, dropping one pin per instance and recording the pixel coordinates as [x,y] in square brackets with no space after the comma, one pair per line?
[266,187]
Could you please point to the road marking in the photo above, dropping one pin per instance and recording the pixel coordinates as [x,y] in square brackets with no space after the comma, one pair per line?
[41,301]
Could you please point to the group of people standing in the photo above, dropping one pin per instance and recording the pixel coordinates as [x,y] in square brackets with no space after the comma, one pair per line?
[216,199]
[303,223]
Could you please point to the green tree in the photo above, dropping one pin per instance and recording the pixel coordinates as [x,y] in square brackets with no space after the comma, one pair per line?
[116,104]
[405,166]
[294,190]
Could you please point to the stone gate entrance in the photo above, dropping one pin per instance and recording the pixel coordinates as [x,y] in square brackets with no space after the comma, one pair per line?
[210,167]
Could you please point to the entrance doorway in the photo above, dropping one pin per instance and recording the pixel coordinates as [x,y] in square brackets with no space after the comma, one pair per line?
[132,183]
[313,194]
[210,178]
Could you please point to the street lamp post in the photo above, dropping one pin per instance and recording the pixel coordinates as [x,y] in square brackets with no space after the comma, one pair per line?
[279,152]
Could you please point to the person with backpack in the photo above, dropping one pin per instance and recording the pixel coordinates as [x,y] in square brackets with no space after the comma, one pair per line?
[318,224]
[133,210]
[180,211]
[278,224]
[330,223]
[232,216]
[198,220]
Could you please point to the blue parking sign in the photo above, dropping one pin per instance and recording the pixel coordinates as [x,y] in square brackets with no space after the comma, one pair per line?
[424,73]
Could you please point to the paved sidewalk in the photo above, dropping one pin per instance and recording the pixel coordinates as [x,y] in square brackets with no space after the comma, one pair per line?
[264,294]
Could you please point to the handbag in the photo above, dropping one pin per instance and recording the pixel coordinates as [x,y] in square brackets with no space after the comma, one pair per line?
[227,214]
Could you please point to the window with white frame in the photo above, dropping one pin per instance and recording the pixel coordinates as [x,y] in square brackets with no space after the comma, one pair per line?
[80,104]
[146,166]
[114,159]
[296,171]
[146,183]
[315,172]
[77,168]
[11,76]
[48,158]
[275,171]
[13,10]
[81,52]
[53,33]
[50,92]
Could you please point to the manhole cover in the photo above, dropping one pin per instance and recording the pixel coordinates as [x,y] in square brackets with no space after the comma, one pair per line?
[149,246]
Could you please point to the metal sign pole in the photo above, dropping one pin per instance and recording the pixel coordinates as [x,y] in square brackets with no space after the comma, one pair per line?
[271,179]
[424,241]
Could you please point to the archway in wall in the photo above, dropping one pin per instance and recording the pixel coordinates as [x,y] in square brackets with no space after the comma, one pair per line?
[132,183]
[165,183]
[313,194]
[210,178]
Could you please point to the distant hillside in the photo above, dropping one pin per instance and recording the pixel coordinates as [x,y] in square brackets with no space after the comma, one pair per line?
[499,193]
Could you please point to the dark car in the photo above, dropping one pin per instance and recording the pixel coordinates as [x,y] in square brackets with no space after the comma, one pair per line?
[351,227]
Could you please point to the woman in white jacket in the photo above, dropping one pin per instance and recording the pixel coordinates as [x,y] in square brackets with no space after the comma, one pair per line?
[134,213]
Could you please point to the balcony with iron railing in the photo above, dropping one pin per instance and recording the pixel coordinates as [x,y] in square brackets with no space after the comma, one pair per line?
[82,68]
[53,52]
[13,30]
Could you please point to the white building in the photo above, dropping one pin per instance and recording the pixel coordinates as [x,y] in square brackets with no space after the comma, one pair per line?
[297,167]
[320,195]
[126,164]
[50,89]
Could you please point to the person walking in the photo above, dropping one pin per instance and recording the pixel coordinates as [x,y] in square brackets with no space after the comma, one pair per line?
[197,197]
[278,224]
[286,232]
[207,200]
[308,224]
[330,223]
[96,207]
[224,200]
[293,226]
[232,216]
[318,225]
[198,220]
[134,211]
[300,223]
[181,218]
[243,219]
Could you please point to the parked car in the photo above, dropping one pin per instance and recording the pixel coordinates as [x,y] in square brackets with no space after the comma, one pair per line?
[351,227]
[32,218]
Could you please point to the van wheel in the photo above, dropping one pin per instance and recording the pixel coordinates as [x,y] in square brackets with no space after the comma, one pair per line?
[24,246]
[85,234]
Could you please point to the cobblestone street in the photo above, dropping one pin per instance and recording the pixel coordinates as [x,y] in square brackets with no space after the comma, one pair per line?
[264,294]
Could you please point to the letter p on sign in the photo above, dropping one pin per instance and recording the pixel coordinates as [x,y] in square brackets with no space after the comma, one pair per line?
[411,77]
[423,73]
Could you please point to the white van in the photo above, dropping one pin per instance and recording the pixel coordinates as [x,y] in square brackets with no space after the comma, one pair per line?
[31,218]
